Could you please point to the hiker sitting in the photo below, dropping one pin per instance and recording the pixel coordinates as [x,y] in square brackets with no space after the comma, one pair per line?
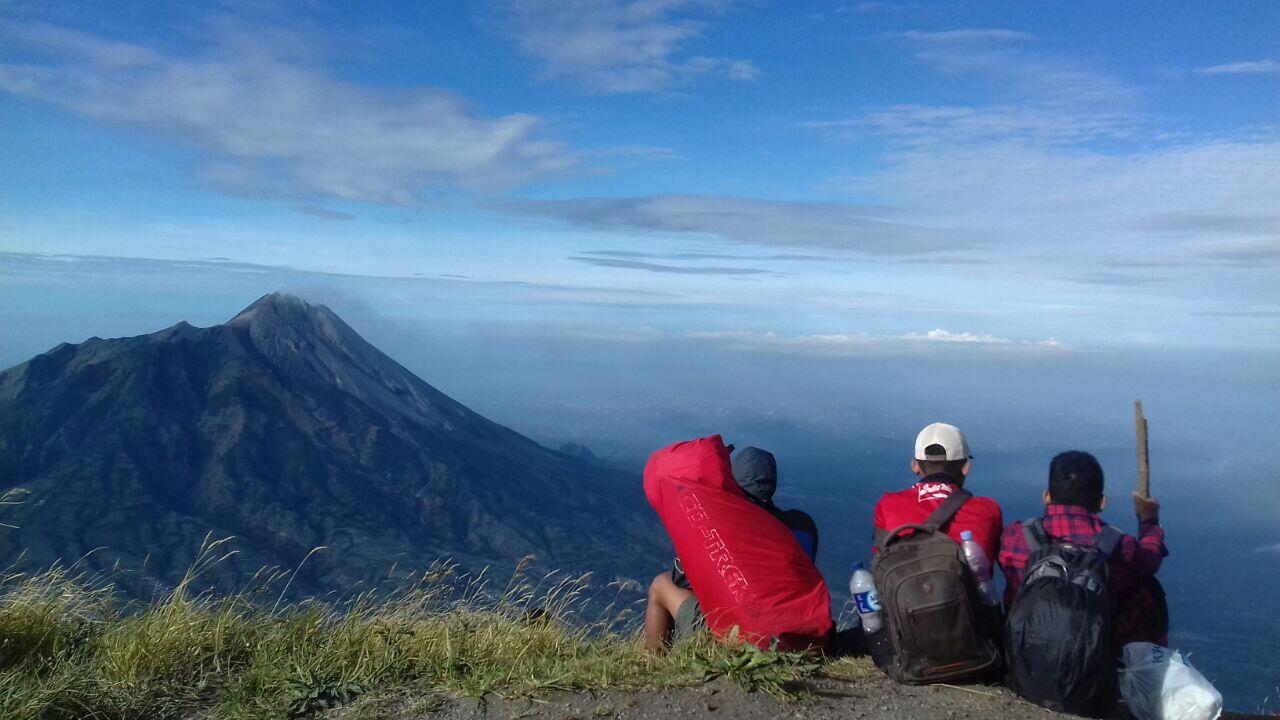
[672,608]
[756,472]
[1072,503]
[942,462]
[941,617]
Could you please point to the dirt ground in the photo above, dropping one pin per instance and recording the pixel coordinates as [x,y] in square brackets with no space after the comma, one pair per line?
[827,699]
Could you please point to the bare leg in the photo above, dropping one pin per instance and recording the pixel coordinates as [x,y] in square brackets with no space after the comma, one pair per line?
[665,598]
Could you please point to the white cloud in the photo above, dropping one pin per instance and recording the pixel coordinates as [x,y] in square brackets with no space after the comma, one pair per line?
[1269,550]
[966,35]
[940,335]
[1035,98]
[863,344]
[1065,166]
[275,125]
[1253,67]
[934,125]
[1007,66]
[1201,201]
[648,152]
[858,228]
[621,46]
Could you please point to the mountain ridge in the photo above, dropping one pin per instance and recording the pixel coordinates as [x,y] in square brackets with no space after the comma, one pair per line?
[285,428]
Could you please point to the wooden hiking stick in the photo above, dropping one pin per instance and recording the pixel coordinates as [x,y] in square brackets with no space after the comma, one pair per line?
[1144,467]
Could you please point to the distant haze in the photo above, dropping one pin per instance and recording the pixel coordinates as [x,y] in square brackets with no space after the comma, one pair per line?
[840,416]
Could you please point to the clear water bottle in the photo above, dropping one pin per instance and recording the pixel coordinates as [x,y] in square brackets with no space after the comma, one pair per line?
[981,567]
[867,599]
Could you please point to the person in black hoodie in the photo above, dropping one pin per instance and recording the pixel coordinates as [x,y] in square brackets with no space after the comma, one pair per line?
[672,606]
[757,474]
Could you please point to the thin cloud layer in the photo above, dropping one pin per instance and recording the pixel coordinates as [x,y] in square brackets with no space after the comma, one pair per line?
[277,126]
[686,255]
[1040,167]
[939,125]
[862,344]
[1249,67]
[629,264]
[769,223]
[621,46]
[1194,202]
[965,35]
[1037,99]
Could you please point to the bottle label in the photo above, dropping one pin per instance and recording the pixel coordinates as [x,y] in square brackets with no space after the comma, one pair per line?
[868,602]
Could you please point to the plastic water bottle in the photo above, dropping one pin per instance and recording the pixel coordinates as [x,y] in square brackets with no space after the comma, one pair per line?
[981,567]
[867,599]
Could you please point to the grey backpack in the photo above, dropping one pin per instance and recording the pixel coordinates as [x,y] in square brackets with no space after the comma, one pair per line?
[936,626]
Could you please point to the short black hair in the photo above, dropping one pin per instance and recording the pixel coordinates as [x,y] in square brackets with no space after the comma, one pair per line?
[1075,478]
[954,468]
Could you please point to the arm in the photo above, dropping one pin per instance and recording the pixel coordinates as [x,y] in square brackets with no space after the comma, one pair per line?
[814,525]
[1141,557]
[805,529]
[992,537]
[1149,551]
[878,529]
[1145,555]
[1012,558]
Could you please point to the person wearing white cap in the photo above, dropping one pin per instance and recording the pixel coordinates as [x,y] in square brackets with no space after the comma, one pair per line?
[941,463]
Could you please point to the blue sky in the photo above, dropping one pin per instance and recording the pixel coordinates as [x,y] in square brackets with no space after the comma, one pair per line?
[823,178]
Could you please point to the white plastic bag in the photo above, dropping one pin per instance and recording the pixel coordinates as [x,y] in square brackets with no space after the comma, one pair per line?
[1159,684]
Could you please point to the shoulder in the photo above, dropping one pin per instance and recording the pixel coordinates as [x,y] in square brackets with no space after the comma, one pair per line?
[984,501]
[897,496]
[985,506]
[1012,530]
[1125,538]
[795,515]
[893,505]
[896,500]
[799,520]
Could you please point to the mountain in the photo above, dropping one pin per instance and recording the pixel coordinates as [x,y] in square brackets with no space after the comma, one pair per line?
[286,429]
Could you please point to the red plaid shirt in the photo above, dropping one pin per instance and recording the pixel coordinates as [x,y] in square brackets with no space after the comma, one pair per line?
[1140,612]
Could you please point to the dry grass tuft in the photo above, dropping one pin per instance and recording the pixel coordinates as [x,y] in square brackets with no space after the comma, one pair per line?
[68,651]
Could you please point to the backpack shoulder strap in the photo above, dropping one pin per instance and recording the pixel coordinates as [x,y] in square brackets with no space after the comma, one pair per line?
[948,509]
[1107,540]
[1033,531]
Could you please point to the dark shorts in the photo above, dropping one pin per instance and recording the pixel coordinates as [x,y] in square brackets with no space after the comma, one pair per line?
[689,618]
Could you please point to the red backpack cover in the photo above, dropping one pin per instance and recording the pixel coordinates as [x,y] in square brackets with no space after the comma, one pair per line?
[746,567]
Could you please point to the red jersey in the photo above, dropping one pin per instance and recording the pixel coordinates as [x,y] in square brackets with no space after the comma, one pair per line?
[981,515]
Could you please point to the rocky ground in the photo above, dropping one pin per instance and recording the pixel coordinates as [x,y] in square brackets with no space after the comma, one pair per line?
[825,699]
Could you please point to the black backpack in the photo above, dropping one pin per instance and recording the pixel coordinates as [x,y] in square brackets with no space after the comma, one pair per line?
[1058,640]
[936,626]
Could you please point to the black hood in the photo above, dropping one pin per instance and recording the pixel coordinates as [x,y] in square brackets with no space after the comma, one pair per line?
[756,472]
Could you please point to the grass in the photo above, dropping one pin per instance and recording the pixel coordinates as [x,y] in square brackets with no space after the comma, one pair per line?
[67,650]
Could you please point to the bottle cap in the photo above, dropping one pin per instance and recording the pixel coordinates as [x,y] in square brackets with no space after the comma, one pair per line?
[859,566]
[966,535]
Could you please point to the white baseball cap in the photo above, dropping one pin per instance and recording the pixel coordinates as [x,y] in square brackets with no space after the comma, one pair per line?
[948,436]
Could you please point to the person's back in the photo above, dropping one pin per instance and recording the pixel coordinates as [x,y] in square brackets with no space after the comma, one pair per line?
[941,621]
[941,470]
[1078,591]
[773,587]
[1072,504]
[756,472]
